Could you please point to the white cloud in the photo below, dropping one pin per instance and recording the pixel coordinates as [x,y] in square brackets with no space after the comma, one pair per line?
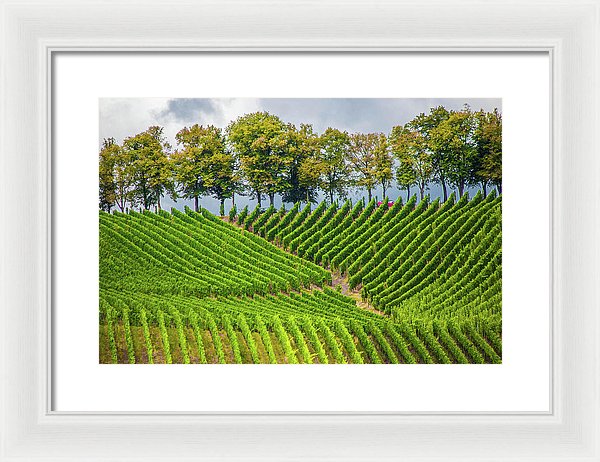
[124,117]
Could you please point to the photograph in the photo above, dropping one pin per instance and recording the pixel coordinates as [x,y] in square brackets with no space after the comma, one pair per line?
[300,230]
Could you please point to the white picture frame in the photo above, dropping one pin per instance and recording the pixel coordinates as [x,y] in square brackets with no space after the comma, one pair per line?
[33,31]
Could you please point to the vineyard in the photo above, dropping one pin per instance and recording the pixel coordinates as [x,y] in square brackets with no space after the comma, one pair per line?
[336,283]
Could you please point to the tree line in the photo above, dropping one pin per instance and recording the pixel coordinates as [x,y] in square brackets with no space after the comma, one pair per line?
[260,155]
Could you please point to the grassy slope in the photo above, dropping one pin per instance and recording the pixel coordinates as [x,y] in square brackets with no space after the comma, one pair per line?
[201,267]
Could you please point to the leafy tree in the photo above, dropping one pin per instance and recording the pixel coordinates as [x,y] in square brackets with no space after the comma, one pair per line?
[116,176]
[148,156]
[301,147]
[197,143]
[333,163]
[488,159]
[256,139]
[384,164]
[440,157]
[238,179]
[108,188]
[455,136]
[363,155]
[410,147]
[204,165]
[400,140]
[220,177]
[310,173]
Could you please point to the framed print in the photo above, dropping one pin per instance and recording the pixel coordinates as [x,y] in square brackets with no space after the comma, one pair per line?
[302,231]
[207,333]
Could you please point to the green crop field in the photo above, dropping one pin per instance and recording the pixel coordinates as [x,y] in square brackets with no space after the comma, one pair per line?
[341,283]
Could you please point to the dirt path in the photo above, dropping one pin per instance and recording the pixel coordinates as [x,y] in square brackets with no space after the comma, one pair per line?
[337,279]
[342,280]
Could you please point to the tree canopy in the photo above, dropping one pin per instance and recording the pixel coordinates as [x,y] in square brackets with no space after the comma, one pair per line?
[261,155]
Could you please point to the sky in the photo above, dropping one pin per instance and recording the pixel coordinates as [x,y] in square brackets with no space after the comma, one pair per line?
[124,117]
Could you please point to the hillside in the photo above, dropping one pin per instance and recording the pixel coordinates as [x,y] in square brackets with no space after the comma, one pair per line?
[189,287]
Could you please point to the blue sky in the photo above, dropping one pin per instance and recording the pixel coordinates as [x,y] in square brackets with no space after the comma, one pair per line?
[124,117]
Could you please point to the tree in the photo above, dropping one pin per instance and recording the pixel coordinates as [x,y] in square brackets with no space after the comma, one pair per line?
[410,148]
[310,173]
[333,163]
[219,176]
[384,163]
[148,157]
[107,185]
[455,136]
[488,158]
[256,139]
[300,146]
[424,124]
[363,158]
[399,140]
[116,176]
[203,164]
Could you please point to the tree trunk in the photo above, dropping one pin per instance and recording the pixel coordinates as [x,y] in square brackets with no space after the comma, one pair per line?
[195,203]
[369,190]
[145,196]
[461,188]
[422,190]
[233,199]
[158,202]
[222,207]
[499,186]
[407,193]
[271,198]
[383,187]
[259,198]
[331,195]
[484,187]
[444,189]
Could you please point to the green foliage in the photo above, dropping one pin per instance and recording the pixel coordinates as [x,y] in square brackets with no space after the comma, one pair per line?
[366,342]
[299,340]
[332,165]
[347,341]
[454,137]
[147,338]
[284,340]
[331,341]
[232,214]
[233,341]
[247,333]
[106,167]
[433,269]
[110,329]
[301,145]
[203,164]
[487,166]
[370,160]
[261,154]
[196,326]
[149,166]
[266,339]
[314,339]
[128,336]
[242,216]
[165,337]
[259,142]
[181,335]
[216,338]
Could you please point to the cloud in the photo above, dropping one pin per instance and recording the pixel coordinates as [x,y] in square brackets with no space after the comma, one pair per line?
[124,117]
[184,109]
